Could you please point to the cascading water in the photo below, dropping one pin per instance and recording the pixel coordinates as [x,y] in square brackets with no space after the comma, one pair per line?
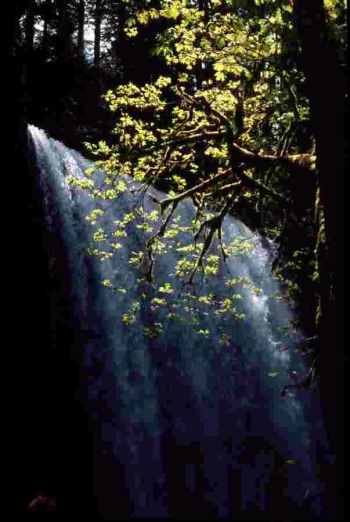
[199,427]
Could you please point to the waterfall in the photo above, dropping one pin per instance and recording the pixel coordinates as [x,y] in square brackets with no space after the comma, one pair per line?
[191,423]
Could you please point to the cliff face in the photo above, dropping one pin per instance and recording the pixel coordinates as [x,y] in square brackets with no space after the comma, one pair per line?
[48,446]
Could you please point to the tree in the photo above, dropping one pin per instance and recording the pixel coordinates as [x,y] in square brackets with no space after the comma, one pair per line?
[239,114]
[46,16]
[222,127]
[129,59]
[327,102]
[97,42]
[65,29]
[30,30]
[81,28]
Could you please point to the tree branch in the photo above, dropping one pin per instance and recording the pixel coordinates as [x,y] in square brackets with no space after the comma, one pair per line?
[198,188]
[292,162]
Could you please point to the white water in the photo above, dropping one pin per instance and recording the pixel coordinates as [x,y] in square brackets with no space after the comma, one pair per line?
[191,386]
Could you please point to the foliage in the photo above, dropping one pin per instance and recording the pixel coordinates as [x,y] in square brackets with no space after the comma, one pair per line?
[225,126]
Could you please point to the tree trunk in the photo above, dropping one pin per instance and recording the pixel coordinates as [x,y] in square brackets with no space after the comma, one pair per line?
[98,24]
[45,36]
[81,29]
[326,90]
[326,85]
[46,13]
[64,32]
[29,27]
[121,43]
